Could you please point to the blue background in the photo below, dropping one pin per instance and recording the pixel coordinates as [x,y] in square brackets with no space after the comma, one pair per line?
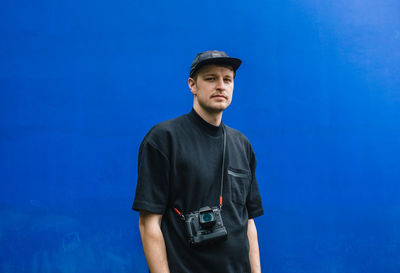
[318,95]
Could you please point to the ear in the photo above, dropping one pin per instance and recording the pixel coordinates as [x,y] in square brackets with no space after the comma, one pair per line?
[192,86]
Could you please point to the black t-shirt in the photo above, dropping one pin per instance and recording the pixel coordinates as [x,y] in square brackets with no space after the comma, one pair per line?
[179,166]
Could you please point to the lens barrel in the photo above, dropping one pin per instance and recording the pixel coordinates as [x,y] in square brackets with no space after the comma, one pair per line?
[206,217]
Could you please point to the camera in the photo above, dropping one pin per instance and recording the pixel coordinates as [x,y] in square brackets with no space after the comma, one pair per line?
[205,226]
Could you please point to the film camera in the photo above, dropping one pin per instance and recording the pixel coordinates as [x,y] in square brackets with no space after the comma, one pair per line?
[205,226]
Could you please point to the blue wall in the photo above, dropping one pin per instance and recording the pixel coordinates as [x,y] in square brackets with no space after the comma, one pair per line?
[318,95]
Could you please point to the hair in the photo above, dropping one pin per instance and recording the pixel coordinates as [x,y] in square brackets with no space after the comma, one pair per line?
[196,72]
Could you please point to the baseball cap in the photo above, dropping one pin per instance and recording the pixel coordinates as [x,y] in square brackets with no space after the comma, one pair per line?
[213,57]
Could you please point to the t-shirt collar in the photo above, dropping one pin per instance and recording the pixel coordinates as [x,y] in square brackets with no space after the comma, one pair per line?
[209,128]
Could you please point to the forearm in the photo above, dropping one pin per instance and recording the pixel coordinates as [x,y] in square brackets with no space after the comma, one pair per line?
[153,245]
[254,252]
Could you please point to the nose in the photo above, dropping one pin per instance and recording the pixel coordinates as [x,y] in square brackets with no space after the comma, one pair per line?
[220,84]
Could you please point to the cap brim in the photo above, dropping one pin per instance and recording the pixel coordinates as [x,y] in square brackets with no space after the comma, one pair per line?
[233,62]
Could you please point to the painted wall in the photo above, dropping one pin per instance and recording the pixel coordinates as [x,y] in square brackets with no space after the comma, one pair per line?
[318,95]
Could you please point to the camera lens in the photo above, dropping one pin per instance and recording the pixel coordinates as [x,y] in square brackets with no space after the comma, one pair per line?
[207,217]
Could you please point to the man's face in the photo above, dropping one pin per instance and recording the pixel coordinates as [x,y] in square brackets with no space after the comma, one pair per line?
[213,88]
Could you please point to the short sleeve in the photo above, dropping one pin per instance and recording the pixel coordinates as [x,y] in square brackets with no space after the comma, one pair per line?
[253,201]
[152,181]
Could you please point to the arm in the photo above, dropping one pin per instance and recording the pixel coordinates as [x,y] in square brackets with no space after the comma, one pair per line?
[254,253]
[153,242]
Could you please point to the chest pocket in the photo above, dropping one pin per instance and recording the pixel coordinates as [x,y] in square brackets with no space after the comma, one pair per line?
[239,181]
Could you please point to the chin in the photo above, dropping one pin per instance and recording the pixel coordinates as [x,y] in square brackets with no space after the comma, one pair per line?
[219,108]
[214,107]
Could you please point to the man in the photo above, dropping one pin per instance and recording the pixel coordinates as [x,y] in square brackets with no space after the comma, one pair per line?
[194,162]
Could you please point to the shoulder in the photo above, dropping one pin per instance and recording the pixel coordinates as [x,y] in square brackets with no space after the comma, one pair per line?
[236,135]
[161,133]
[239,140]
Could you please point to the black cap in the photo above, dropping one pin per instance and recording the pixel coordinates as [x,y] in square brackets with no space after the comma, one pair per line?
[213,57]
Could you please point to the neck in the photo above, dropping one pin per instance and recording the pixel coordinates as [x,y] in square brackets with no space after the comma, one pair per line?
[213,118]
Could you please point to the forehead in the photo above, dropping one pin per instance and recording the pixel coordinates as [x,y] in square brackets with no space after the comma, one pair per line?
[216,69]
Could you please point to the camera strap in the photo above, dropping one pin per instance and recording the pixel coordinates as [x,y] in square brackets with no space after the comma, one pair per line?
[222,173]
[223,166]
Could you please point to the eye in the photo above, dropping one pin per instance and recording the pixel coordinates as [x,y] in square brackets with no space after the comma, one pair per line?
[228,80]
[210,78]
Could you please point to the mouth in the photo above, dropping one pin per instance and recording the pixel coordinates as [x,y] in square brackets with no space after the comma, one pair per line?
[219,97]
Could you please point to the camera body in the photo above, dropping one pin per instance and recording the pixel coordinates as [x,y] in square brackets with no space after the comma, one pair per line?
[205,226]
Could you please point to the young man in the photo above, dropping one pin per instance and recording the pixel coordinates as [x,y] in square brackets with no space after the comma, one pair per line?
[197,191]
